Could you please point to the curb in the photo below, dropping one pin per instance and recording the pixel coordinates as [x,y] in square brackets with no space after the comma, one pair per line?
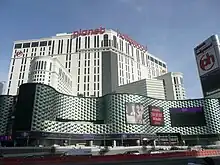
[116,158]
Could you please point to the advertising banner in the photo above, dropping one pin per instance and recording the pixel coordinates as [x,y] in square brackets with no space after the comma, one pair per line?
[207,57]
[134,113]
[156,115]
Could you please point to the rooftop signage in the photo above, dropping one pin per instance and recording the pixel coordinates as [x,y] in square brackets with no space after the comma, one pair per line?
[101,30]
[131,41]
[81,32]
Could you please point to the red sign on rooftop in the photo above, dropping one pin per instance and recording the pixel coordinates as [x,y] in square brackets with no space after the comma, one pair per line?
[131,41]
[101,30]
[81,32]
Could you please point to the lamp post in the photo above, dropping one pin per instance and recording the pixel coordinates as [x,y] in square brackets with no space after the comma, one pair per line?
[122,139]
[104,140]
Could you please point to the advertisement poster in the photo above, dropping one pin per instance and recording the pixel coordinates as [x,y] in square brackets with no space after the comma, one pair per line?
[156,116]
[135,113]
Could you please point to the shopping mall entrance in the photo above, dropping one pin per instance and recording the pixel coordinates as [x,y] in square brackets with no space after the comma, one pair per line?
[169,139]
[48,139]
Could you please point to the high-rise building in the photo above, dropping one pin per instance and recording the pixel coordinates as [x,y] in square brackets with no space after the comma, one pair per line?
[92,57]
[174,86]
[2,87]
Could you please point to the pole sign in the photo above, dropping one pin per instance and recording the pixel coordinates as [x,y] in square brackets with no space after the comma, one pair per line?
[207,58]
[81,32]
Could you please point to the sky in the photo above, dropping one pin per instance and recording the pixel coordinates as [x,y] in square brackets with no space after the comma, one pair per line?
[170,28]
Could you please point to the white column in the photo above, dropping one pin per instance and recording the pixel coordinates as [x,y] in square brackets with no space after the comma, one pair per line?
[91,143]
[114,143]
[138,142]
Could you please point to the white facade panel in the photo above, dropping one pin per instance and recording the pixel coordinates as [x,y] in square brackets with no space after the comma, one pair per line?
[147,87]
[138,87]
[155,88]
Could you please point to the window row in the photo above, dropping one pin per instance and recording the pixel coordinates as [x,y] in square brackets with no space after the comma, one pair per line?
[177,80]
[87,71]
[87,56]
[147,63]
[42,65]
[88,86]
[32,44]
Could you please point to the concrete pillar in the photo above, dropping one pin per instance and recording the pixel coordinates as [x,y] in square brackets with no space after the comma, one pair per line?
[114,143]
[90,143]
[138,142]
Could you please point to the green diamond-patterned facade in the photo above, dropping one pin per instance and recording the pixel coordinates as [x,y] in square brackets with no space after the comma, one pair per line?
[39,107]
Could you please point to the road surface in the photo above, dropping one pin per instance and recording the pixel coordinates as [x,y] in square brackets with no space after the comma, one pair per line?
[148,162]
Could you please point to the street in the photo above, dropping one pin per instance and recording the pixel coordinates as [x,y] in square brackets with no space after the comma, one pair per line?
[147,162]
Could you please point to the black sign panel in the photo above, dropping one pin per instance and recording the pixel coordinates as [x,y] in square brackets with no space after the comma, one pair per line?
[187,117]
[211,83]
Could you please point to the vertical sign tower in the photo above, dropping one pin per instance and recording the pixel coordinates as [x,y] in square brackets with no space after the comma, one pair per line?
[208,62]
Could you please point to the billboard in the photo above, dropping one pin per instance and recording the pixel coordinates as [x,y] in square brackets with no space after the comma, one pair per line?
[187,117]
[207,58]
[156,115]
[134,113]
